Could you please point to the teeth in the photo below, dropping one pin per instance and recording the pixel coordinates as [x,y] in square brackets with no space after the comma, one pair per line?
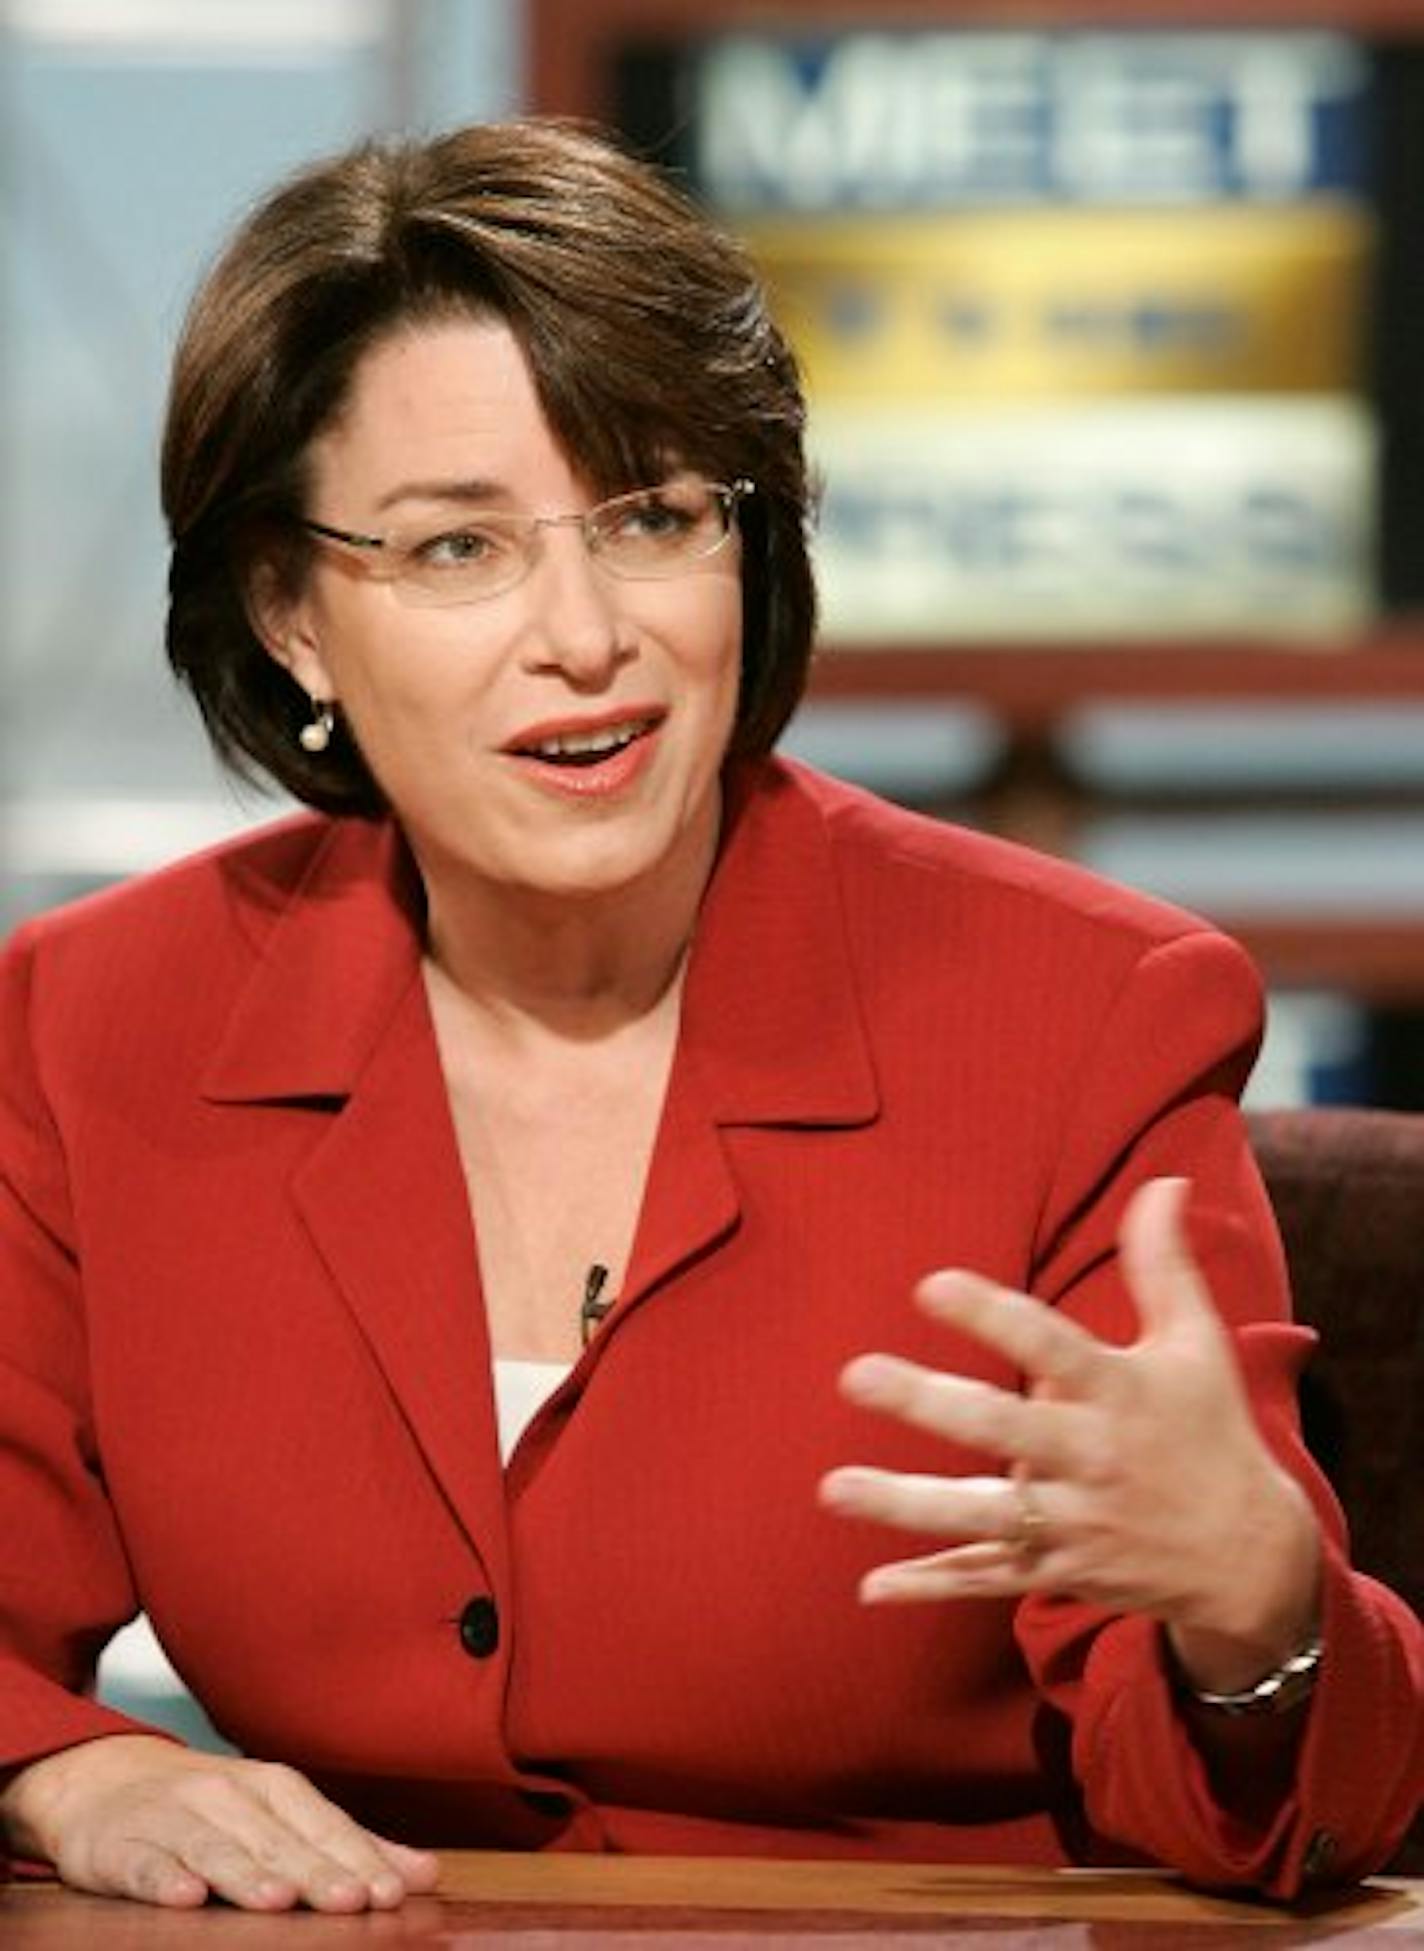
[609,738]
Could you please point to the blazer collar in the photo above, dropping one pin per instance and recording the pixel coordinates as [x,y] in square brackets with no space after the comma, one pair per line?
[329,974]
[771,1017]
[771,1014]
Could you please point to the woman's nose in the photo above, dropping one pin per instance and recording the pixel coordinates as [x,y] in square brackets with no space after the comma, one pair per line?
[575,619]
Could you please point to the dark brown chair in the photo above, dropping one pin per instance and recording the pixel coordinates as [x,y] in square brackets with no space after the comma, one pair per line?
[1348,1189]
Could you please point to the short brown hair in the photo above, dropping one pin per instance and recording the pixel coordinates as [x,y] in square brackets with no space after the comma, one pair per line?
[646,331]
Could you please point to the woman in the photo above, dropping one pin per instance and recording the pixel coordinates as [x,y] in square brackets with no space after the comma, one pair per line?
[581,1084]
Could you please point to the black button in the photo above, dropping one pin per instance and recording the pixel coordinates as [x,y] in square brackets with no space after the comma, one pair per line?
[1319,1858]
[479,1628]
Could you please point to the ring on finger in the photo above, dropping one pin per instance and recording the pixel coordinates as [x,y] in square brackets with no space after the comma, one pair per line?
[1024,1535]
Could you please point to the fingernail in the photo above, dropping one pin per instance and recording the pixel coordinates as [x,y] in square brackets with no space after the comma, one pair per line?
[943,1287]
[843,1489]
[866,1378]
[347,1891]
[179,1888]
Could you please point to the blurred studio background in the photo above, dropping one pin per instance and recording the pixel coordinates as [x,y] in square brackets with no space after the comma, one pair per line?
[1113,323]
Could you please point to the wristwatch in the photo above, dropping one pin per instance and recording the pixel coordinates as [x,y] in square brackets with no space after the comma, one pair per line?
[1276,1692]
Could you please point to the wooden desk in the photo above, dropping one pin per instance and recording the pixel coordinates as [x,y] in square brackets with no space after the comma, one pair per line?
[636,1903]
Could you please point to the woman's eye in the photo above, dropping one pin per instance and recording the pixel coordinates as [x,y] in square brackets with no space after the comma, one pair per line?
[456,548]
[654,519]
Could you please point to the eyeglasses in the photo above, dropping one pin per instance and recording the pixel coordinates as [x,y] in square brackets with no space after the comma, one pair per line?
[645,536]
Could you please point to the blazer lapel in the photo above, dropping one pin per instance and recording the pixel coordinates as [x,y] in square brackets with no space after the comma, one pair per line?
[771,1010]
[385,1203]
[335,1014]
[771,1031]
[690,1201]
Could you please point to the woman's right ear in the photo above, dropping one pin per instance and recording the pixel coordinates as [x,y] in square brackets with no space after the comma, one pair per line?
[282,623]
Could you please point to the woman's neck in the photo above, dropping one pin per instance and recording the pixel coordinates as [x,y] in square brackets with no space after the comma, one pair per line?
[576,967]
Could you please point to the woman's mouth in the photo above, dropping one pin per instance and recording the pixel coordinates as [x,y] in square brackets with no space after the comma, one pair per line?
[587,760]
[586,748]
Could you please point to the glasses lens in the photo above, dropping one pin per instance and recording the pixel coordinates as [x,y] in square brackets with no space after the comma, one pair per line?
[659,531]
[476,558]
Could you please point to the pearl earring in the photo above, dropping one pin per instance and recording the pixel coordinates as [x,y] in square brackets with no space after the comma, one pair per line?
[315,736]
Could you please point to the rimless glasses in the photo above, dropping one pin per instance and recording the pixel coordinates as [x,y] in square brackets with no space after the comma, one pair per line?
[644,536]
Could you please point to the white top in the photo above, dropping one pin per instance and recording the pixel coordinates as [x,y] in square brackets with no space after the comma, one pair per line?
[520,1391]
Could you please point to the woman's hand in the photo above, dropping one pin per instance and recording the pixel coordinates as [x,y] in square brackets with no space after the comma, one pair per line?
[135,1816]
[1137,1478]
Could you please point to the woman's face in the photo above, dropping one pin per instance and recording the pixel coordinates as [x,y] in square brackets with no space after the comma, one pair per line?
[471,716]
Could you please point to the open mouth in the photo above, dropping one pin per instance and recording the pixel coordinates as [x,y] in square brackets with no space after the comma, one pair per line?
[579,750]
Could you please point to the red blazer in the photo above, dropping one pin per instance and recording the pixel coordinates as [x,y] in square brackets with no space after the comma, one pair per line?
[245,1383]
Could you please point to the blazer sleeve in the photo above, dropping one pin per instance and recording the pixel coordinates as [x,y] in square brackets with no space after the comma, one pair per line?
[64,1582]
[1157,1096]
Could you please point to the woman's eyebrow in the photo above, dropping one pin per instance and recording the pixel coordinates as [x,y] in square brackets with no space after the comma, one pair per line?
[468,491]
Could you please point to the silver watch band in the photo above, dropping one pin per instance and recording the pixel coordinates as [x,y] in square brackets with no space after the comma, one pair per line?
[1275,1692]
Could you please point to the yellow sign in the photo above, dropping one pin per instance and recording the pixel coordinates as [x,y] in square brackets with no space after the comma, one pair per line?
[1040,303]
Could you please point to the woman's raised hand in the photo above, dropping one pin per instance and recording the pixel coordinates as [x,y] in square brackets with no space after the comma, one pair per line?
[1136,1478]
[136,1816]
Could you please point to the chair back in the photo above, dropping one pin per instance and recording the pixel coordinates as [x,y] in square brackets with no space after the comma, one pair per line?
[1348,1190]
